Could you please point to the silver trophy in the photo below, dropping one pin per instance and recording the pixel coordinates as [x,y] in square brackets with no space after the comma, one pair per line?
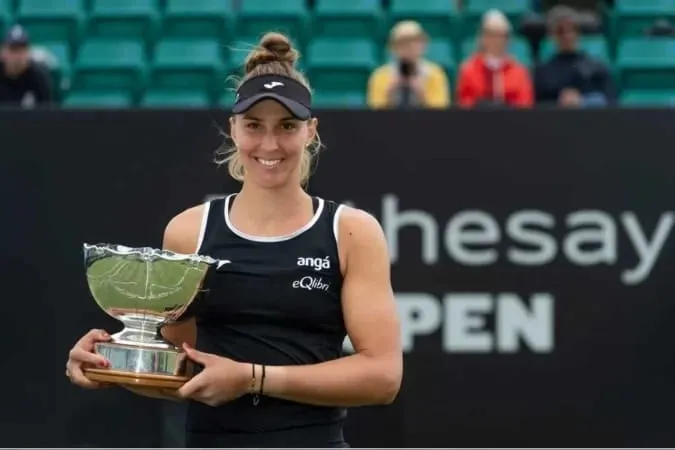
[144,288]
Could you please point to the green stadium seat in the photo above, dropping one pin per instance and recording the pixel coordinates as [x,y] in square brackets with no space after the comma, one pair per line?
[339,100]
[519,48]
[632,17]
[59,61]
[646,63]
[175,99]
[181,65]
[474,10]
[648,98]
[124,19]
[355,19]
[6,16]
[227,99]
[98,99]
[340,64]
[199,19]
[290,17]
[438,17]
[595,46]
[107,65]
[238,50]
[52,20]
[60,51]
[442,53]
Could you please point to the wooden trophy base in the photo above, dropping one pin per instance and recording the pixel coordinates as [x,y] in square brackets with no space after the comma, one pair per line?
[141,380]
[151,371]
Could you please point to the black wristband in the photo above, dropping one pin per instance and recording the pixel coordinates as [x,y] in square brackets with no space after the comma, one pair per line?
[256,396]
[262,381]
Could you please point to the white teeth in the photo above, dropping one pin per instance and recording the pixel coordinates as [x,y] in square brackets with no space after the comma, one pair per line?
[268,162]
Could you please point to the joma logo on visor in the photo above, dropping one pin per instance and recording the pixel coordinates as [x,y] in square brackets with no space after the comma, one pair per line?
[273,84]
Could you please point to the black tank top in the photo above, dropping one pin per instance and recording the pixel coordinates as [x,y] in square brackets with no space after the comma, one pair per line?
[274,301]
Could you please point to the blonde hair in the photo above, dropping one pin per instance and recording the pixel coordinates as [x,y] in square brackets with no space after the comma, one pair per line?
[495,20]
[406,29]
[274,55]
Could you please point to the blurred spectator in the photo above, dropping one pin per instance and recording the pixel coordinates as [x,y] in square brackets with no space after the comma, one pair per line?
[409,80]
[571,77]
[491,76]
[22,82]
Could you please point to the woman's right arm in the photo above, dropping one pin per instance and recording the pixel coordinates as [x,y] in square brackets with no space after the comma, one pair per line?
[181,236]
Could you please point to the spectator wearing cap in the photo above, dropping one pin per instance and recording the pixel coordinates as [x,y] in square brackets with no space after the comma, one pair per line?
[571,78]
[491,77]
[409,80]
[23,82]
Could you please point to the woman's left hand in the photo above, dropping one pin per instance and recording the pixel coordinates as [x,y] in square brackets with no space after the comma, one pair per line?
[220,381]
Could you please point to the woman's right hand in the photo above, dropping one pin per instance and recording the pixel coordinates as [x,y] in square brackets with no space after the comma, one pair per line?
[82,355]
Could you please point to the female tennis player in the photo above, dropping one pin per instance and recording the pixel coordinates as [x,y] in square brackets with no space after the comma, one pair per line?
[304,272]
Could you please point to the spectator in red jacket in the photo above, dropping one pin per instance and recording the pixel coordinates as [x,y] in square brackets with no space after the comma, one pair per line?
[490,77]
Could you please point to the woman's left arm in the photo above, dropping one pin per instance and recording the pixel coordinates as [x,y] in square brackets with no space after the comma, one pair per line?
[373,374]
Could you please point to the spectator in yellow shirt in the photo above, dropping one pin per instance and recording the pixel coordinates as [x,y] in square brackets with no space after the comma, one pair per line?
[409,80]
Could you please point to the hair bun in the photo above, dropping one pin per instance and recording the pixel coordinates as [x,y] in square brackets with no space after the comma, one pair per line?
[273,47]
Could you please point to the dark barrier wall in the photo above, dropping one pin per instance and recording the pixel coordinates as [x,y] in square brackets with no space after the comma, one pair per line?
[532,260]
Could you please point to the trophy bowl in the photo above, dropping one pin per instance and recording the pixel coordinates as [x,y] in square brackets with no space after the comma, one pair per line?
[144,288]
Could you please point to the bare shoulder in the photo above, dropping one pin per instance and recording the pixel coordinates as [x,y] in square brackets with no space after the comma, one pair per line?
[182,232]
[353,219]
[359,230]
